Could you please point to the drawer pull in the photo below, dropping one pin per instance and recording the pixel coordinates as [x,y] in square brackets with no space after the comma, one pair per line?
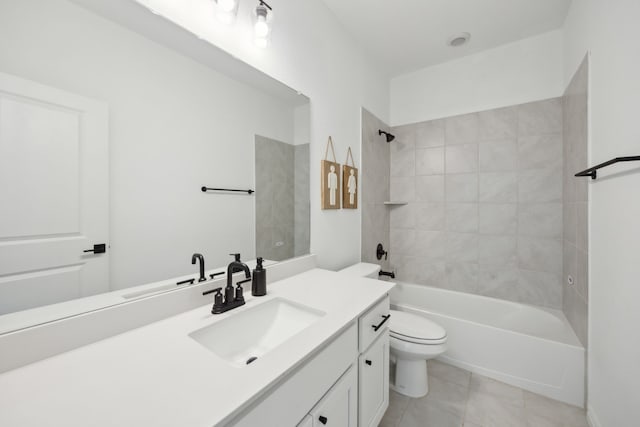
[379,325]
[368,362]
[322,419]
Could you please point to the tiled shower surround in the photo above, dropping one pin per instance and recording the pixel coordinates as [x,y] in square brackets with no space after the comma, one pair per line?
[484,212]
[575,297]
[282,199]
[374,184]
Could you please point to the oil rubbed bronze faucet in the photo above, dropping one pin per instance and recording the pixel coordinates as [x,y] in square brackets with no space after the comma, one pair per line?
[232,297]
[200,258]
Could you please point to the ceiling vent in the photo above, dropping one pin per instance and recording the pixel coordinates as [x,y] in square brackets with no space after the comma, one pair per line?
[459,39]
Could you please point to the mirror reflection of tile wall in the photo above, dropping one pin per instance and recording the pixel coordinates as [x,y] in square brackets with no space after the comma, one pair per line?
[282,199]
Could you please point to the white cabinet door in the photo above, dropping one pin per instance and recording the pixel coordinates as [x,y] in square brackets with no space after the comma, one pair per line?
[373,386]
[338,408]
[54,200]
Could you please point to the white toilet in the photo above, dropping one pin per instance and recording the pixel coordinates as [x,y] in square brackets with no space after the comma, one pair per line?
[413,340]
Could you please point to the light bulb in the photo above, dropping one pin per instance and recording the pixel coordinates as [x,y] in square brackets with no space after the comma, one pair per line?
[261,28]
[227,5]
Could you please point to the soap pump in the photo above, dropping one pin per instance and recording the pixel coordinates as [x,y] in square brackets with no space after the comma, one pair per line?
[259,284]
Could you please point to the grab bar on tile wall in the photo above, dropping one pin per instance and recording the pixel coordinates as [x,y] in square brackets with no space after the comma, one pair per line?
[592,171]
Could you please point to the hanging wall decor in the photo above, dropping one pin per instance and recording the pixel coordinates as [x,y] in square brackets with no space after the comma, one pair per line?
[330,180]
[349,183]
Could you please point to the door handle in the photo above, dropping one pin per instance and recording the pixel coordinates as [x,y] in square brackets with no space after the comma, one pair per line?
[322,419]
[100,248]
[368,362]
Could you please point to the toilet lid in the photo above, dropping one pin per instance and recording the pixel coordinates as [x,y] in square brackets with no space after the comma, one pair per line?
[414,328]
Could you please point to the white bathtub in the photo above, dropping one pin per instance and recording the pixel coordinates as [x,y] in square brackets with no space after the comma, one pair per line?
[529,347]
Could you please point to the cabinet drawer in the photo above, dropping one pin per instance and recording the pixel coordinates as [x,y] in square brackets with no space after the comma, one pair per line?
[372,324]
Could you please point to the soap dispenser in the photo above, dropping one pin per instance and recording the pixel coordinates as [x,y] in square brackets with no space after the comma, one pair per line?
[259,284]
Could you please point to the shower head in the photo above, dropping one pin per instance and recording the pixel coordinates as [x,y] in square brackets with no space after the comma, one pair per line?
[387,135]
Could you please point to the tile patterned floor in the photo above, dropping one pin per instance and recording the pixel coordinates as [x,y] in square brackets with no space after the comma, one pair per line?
[459,398]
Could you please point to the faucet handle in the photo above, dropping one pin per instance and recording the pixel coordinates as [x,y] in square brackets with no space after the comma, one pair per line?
[237,256]
[219,290]
[217,300]
[213,275]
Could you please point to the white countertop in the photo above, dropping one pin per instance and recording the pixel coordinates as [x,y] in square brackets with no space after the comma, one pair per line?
[158,376]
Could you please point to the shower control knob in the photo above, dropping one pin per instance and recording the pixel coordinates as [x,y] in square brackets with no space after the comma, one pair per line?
[381,252]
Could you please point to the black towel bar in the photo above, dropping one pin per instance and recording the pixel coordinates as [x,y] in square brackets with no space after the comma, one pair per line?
[205,189]
[592,171]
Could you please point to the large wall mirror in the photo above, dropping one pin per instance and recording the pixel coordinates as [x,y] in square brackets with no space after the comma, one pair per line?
[108,130]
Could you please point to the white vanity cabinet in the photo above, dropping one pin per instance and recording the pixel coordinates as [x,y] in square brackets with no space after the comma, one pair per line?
[339,407]
[345,385]
[373,382]
[373,365]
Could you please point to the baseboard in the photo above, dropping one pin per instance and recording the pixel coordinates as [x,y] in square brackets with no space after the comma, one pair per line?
[592,418]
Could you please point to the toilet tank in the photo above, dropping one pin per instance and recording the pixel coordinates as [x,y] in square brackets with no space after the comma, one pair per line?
[362,269]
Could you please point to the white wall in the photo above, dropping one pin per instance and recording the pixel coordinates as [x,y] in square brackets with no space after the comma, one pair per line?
[609,31]
[311,52]
[516,73]
[175,125]
[301,124]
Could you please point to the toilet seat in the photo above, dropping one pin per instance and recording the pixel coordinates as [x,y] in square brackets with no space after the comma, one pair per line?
[415,329]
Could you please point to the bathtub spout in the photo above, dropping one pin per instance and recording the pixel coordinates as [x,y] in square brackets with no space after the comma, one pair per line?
[387,273]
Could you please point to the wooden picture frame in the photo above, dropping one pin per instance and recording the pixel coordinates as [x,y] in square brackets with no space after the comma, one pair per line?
[350,184]
[330,180]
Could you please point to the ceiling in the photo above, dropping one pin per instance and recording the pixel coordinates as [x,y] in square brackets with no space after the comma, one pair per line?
[406,35]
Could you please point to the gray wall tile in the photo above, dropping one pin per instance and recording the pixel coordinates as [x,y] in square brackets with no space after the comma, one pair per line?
[498,124]
[402,216]
[497,250]
[430,216]
[462,247]
[431,245]
[462,276]
[429,161]
[375,187]
[429,134]
[498,187]
[403,163]
[461,129]
[403,188]
[498,155]
[486,208]
[537,118]
[540,254]
[462,217]
[540,152]
[575,198]
[540,219]
[461,187]
[498,218]
[429,188]
[461,158]
[540,185]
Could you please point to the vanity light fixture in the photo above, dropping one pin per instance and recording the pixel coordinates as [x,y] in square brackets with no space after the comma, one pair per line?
[227,10]
[262,24]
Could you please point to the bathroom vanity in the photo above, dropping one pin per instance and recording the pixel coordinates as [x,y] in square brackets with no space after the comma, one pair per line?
[313,352]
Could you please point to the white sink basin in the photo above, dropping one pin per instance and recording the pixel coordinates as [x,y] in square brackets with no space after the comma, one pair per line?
[249,334]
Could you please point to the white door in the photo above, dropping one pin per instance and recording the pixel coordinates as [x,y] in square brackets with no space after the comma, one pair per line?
[54,166]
